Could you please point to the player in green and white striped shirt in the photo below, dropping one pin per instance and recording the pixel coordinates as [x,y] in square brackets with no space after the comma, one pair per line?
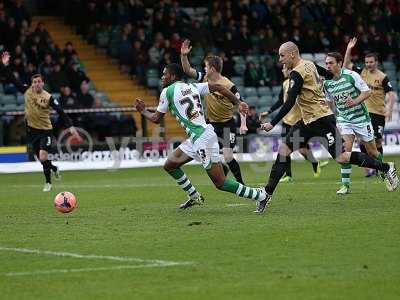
[183,101]
[347,91]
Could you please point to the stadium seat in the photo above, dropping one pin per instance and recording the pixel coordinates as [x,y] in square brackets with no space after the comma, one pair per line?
[267,100]
[196,60]
[276,89]
[9,107]
[197,51]
[307,56]
[240,68]
[8,99]
[237,80]
[250,92]
[20,99]
[152,73]
[253,58]
[102,39]
[56,95]
[252,101]
[263,91]
[319,56]
[388,65]
[103,97]
[152,82]
[391,74]
[238,59]
[262,107]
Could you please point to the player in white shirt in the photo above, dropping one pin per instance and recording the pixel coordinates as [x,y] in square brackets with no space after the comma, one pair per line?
[183,101]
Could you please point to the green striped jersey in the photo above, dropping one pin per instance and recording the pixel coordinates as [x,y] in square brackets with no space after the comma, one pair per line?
[338,89]
[183,101]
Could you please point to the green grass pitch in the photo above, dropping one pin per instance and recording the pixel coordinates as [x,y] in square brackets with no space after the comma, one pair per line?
[120,242]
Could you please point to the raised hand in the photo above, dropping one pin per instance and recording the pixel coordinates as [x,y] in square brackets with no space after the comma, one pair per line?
[352,43]
[186,48]
[5,58]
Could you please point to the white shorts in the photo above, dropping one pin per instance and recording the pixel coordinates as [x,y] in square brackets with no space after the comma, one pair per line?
[363,132]
[204,149]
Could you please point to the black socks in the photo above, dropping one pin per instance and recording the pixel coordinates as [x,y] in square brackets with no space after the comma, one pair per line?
[47,167]
[278,169]
[235,169]
[363,160]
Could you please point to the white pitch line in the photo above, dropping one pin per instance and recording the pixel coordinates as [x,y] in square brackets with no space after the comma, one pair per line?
[91,256]
[237,204]
[99,269]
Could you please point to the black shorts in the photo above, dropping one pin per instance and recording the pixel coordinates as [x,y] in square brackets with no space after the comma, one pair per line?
[226,133]
[323,130]
[39,139]
[378,124]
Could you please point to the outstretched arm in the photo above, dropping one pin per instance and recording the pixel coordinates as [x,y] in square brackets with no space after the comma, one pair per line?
[347,57]
[64,117]
[153,117]
[185,49]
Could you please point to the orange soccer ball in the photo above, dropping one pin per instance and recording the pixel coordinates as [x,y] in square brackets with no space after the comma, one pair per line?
[65,202]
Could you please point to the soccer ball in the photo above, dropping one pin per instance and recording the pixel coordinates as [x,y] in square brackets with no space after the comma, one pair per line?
[65,202]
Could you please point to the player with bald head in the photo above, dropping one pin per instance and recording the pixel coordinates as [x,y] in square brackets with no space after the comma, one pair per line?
[318,123]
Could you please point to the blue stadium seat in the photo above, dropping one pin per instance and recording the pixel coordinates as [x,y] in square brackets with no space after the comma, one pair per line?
[8,99]
[264,91]
[9,107]
[252,101]
[267,100]
[237,80]
[240,68]
[389,65]
[307,56]
[253,58]
[319,56]
[152,73]
[250,92]
[152,82]
[20,99]
[238,59]
[276,89]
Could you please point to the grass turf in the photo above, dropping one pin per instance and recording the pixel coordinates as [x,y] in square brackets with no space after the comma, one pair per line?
[310,244]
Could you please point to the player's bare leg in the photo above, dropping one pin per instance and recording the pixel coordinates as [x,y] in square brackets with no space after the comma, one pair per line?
[345,169]
[173,167]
